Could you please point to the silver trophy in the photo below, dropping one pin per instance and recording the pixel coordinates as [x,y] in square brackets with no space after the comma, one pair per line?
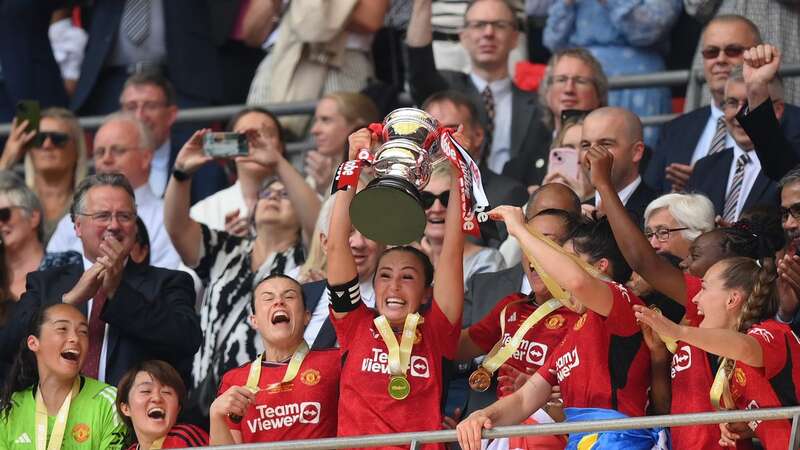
[389,209]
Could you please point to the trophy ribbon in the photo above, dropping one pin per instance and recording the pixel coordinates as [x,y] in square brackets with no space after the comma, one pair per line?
[254,375]
[348,172]
[473,198]
[60,424]
[399,354]
[501,352]
[720,393]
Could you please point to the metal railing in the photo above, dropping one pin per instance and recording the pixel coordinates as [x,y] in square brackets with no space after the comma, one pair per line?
[416,439]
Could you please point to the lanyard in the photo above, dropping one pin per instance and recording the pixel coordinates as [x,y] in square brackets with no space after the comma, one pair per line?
[501,352]
[156,445]
[399,355]
[291,370]
[721,397]
[57,436]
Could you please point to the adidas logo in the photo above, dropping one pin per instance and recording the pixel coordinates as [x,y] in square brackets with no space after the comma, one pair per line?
[513,317]
[23,439]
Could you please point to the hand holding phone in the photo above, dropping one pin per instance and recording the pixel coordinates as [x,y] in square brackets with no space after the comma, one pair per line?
[225,145]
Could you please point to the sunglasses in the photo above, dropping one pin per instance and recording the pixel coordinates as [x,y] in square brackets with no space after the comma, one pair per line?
[429,198]
[793,210]
[58,139]
[5,213]
[731,51]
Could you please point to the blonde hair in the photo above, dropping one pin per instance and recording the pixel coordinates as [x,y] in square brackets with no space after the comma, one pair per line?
[358,109]
[317,260]
[77,136]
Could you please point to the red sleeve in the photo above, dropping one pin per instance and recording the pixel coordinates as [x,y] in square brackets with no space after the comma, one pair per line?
[347,326]
[693,286]
[486,332]
[548,366]
[770,336]
[445,334]
[621,321]
[228,381]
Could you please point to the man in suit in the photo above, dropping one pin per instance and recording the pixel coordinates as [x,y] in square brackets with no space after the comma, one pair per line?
[510,115]
[689,137]
[745,184]
[136,312]
[620,131]
[172,37]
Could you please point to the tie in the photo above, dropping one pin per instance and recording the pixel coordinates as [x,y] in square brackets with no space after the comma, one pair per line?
[488,103]
[732,200]
[97,331]
[718,142]
[136,20]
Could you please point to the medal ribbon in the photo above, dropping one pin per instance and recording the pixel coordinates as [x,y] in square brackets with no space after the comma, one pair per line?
[500,353]
[60,425]
[399,355]
[291,370]
[156,445]
[720,393]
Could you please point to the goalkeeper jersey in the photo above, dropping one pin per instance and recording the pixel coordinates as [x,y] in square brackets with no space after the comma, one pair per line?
[92,423]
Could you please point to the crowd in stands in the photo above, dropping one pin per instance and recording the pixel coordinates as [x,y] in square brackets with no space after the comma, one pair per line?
[153,295]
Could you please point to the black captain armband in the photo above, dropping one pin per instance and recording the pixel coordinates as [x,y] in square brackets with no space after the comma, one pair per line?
[345,297]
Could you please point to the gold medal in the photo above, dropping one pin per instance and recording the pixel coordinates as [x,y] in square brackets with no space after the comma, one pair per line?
[480,379]
[399,387]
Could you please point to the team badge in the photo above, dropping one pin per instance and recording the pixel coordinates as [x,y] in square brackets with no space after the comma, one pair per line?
[310,377]
[555,321]
[80,433]
[740,377]
[581,321]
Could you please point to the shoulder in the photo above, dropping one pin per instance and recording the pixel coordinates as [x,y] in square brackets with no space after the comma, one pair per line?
[690,117]
[186,435]
[237,373]
[54,272]
[712,161]
[768,330]
[99,392]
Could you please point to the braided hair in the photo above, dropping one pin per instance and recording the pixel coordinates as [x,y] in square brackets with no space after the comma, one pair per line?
[757,279]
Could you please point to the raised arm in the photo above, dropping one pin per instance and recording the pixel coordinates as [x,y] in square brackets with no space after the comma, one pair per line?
[259,21]
[423,78]
[644,22]
[367,16]
[183,231]
[590,291]
[639,254]
[448,280]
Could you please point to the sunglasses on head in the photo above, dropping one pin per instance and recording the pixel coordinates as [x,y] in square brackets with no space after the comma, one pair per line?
[57,138]
[731,51]
[428,198]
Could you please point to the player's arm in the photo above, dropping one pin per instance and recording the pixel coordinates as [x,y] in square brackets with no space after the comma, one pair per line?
[448,279]
[467,348]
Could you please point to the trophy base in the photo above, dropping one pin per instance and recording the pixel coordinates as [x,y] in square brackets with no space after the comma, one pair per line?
[389,210]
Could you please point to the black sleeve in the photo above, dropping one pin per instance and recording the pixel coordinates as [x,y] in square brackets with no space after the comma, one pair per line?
[19,315]
[773,150]
[423,78]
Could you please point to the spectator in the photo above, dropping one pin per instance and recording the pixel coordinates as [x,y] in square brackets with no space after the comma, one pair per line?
[787,263]
[228,265]
[569,137]
[321,47]
[55,161]
[22,229]
[49,362]
[280,317]
[336,116]
[152,99]
[627,38]
[128,37]
[673,221]
[124,144]
[27,66]
[746,184]
[510,115]
[150,397]
[140,252]
[230,208]
[139,312]
[477,258]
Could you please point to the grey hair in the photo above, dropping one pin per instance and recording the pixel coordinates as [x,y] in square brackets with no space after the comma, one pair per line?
[113,179]
[791,177]
[599,79]
[775,86]
[146,140]
[19,194]
[693,211]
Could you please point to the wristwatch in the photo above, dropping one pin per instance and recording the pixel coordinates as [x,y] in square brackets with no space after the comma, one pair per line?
[180,175]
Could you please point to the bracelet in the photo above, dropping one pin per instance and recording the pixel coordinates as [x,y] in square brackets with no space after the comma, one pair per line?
[180,175]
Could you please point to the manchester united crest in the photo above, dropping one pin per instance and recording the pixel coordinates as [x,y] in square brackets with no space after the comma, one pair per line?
[580,322]
[81,433]
[554,322]
[739,376]
[310,377]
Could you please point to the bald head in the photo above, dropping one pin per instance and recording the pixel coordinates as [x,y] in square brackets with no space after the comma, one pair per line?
[630,124]
[619,131]
[553,196]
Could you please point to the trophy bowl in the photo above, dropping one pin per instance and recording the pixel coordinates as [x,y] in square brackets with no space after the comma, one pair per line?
[389,210]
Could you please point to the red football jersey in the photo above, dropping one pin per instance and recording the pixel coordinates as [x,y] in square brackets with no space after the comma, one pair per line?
[538,341]
[781,349]
[750,390]
[182,436]
[598,351]
[693,286]
[304,408]
[366,407]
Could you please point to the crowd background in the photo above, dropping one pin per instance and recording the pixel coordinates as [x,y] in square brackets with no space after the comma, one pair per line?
[158,257]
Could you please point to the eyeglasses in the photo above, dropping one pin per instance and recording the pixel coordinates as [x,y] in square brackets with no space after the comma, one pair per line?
[115,151]
[733,103]
[562,80]
[731,51]
[794,210]
[479,25]
[105,217]
[429,198]
[132,107]
[5,213]
[282,194]
[661,234]
[57,138]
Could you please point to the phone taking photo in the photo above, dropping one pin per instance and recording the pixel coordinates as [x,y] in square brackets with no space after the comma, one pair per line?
[225,145]
[565,161]
[29,110]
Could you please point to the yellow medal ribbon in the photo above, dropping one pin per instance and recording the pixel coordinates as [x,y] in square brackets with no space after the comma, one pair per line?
[60,425]
[399,354]
[156,445]
[720,393]
[291,370]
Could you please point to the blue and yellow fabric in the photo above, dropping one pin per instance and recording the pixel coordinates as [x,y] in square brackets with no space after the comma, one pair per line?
[642,439]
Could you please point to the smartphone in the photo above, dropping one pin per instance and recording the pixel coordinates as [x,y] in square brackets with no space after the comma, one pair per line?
[225,145]
[564,161]
[29,110]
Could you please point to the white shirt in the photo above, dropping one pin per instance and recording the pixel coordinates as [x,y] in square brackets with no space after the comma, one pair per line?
[101,368]
[624,195]
[707,136]
[751,171]
[212,209]
[159,168]
[525,288]
[321,311]
[151,209]
[500,152]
